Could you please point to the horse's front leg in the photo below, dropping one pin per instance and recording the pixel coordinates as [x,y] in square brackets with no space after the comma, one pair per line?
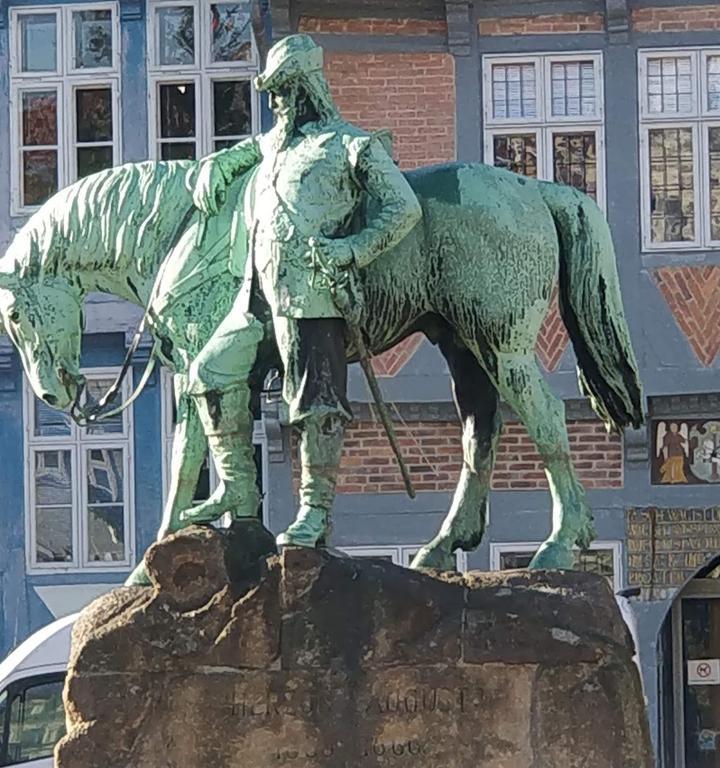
[188,454]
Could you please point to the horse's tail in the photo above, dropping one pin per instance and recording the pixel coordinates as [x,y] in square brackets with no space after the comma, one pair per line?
[591,308]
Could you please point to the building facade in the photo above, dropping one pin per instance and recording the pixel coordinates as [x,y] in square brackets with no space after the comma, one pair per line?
[620,98]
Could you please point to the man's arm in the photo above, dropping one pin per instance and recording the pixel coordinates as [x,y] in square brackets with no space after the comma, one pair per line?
[218,170]
[398,208]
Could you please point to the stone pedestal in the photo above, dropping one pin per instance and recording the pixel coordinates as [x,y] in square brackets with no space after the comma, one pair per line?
[313,661]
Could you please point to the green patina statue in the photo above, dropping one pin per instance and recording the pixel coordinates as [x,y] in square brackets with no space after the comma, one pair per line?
[315,218]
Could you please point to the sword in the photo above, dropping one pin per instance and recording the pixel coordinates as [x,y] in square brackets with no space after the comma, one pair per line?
[345,291]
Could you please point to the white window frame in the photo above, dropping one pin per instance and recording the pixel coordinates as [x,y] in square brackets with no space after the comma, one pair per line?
[401,554]
[203,73]
[259,438]
[63,80]
[498,548]
[79,442]
[699,119]
[545,124]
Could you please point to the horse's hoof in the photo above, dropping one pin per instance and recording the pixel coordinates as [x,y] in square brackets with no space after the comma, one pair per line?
[139,577]
[199,516]
[553,556]
[435,557]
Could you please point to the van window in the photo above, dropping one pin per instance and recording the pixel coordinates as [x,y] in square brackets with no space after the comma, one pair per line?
[33,719]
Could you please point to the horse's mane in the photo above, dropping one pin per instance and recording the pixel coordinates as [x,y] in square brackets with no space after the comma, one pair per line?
[98,220]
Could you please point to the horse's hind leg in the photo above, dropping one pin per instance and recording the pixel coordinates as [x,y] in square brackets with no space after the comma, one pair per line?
[477,403]
[523,387]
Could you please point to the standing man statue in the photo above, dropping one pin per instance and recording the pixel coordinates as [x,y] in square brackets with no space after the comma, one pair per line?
[303,207]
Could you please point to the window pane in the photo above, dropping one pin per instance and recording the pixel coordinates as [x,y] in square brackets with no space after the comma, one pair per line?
[575,161]
[517,153]
[53,534]
[106,533]
[573,88]
[178,151]
[53,477]
[177,110]
[231,32]
[39,118]
[599,561]
[105,475]
[92,160]
[176,35]
[669,85]
[93,110]
[49,422]
[93,39]
[37,722]
[38,41]
[231,108]
[672,214]
[95,390]
[40,176]
[713,82]
[513,90]
[512,560]
[714,150]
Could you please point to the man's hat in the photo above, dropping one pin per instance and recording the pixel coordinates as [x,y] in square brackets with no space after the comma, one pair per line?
[288,58]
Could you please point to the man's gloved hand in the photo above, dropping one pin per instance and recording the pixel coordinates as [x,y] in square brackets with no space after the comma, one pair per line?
[209,193]
[332,254]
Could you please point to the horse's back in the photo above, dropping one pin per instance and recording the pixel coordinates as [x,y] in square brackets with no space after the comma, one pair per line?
[492,243]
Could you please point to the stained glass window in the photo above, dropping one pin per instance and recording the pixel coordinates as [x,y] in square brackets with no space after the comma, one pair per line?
[670,85]
[208,102]
[516,152]
[39,150]
[94,130]
[65,97]
[714,162]
[575,161]
[514,90]
[672,185]
[92,33]
[573,89]
[230,32]
[713,83]
[176,35]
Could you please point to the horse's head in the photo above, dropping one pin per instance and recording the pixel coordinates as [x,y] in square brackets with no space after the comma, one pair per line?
[44,320]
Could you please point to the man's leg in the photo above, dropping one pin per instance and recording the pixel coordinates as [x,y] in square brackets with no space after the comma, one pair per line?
[315,389]
[218,385]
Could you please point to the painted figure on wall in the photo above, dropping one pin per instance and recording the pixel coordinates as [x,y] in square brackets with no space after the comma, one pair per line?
[672,445]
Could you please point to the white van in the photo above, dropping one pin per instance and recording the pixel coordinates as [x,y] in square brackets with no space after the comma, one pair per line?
[32,718]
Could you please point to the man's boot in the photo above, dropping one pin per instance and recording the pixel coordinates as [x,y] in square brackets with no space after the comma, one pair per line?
[321,443]
[228,425]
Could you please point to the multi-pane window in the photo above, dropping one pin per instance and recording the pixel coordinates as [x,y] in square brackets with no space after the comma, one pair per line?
[544,118]
[208,480]
[65,88]
[680,147]
[201,63]
[400,554]
[603,558]
[79,486]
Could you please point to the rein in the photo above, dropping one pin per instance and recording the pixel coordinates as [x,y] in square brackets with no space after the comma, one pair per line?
[85,416]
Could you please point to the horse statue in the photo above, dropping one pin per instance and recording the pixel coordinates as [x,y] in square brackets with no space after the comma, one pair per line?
[475,276]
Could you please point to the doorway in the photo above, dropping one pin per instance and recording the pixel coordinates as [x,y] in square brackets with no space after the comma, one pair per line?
[696,673]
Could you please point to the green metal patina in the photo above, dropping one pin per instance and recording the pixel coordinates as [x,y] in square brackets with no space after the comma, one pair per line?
[466,253]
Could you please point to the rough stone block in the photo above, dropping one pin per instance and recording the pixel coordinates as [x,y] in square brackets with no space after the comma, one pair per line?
[305,660]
